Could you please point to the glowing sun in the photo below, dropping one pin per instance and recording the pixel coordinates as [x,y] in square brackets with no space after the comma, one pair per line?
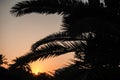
[36,71]
[36,68]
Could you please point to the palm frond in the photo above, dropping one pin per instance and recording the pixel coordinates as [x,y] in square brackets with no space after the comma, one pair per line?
[112,3]
[60,36]
[51,49]
[44,6]
[57,48]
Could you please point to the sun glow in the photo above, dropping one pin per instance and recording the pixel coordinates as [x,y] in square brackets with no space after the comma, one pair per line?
[36,73]
[36,68]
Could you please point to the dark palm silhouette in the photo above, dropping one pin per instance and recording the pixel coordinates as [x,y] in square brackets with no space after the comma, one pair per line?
[21,72]
[44,76]
[2,60]
[4,73]
[96,22]
[25,67]
[91,28]
[63,8]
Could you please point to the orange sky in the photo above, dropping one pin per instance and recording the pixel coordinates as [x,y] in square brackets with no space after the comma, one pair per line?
[18,34]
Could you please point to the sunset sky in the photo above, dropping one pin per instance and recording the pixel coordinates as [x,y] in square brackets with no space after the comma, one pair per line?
[17,34]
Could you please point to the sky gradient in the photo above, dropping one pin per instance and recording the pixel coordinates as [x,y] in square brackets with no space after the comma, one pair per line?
[17,34]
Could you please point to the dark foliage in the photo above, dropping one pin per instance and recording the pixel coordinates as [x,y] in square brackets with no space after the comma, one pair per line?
[91,28]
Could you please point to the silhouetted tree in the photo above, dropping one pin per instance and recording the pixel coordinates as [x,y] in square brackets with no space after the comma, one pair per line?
[4,73]
[91,28]
[65,8]
[2,60]
[21,72]
[43,76]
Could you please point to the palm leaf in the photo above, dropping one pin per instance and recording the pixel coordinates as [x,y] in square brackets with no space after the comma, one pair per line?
[112,3]
[60,36]
[45,6]
[50,49]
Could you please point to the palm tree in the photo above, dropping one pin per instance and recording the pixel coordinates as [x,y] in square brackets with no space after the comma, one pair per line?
[44,76]
[91,28]
[26,67]
[4,73]
[2,60]
[49,7]
[21,72]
